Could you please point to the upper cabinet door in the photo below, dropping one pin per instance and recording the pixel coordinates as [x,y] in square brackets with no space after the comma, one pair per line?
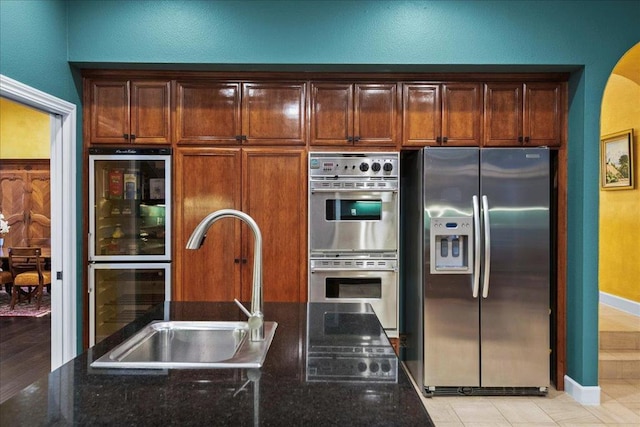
[543,114]
[461,114]
[529,114]
[273,113]
[421,116]
[208,113]
[331,113]
[110,111]
[503,114]
[123,111]
[375,119]
[150,112]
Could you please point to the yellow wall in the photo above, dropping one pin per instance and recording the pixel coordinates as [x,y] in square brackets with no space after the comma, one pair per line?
[619,262]
[24,132]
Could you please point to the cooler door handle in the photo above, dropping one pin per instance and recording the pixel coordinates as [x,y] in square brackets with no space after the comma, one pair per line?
[476,244]
[487,247]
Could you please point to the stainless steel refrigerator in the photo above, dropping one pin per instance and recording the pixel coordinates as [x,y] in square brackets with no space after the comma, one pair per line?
[476,269]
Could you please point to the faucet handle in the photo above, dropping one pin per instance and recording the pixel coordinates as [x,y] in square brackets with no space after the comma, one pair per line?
[255,320]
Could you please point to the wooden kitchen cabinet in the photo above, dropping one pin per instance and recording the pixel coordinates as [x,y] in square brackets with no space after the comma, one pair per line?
[25,201]
[447,114]
[529,114]
[129,111]
[269,185]
[224,112]
[354,114]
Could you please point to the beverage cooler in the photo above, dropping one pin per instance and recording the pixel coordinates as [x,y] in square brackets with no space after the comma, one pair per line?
[129,235]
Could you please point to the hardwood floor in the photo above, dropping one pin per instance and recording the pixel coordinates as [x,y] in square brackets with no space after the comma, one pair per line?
[25,352]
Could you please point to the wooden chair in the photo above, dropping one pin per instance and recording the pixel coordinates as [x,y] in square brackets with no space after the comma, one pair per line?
[27,269]
[6,280]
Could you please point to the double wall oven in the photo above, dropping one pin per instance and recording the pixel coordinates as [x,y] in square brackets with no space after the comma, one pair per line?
[353,231]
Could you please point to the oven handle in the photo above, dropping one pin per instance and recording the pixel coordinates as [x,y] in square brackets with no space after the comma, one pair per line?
[332,270]
[354,190]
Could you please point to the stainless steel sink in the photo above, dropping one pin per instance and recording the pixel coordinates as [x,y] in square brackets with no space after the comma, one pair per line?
[189,345]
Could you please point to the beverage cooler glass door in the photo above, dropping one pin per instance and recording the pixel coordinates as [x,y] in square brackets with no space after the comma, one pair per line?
[120,293]
[130,206]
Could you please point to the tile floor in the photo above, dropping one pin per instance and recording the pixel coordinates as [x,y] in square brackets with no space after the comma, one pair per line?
[620,400]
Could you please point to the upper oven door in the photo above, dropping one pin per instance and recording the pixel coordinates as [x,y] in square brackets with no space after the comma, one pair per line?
[353,220]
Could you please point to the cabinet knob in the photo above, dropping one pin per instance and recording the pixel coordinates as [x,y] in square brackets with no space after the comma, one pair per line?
[349,139]
[526,139]
[520,139]
[125,136]
[133,136]
[356,138]
[439,139]
[444,140]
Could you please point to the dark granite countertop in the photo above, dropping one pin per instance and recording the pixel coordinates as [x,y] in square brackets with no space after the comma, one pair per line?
[281,393]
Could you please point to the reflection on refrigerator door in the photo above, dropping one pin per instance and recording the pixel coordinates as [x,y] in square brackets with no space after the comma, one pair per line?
[120,293]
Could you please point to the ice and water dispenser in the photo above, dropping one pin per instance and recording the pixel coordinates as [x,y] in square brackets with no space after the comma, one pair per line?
[451,245]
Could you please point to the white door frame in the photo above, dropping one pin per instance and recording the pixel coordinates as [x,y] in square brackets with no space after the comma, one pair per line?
[64,330]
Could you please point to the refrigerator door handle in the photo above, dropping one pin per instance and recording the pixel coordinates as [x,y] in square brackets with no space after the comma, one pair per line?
[487,247]
[476,252]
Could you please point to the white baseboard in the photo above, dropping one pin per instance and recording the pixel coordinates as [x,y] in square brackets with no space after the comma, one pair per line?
[620,303]
[585,395]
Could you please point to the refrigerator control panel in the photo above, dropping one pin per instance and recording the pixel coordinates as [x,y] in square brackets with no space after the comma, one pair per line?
[451,245]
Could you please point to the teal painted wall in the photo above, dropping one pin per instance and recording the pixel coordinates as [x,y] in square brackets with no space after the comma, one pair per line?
[587,37]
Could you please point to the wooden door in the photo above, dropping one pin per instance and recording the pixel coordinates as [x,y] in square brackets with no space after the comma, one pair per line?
[461,114]
[421,114]
[331,113]
[503,114]
[109,111]
[39,215]
[543,112]
[208,112]
[150,112]
[207,179]
[375,117]
[274,194]
[274,113]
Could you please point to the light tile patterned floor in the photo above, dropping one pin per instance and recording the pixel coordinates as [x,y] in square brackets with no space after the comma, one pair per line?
[620,400]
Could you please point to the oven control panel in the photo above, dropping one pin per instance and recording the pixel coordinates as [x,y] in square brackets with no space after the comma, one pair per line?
[366,165]
[346,366]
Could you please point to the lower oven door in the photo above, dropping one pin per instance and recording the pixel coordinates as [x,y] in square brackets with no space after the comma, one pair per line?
[353,220]
[376,287]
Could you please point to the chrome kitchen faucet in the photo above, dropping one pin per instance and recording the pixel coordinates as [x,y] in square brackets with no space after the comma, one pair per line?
[256,318]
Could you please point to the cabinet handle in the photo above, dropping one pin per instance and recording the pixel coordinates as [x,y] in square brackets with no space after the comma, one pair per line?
[349,139]
[520,139]
[439,139]
[236,261]
[356,138]
[244,137]
[125,136]
[238,137]
[444,140]
[526,139]
[133,136]
[244,260]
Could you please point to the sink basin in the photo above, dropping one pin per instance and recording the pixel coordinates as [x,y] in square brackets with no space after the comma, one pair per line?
[189,345]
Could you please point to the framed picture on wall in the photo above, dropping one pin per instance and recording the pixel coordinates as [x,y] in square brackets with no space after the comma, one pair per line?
[616,161]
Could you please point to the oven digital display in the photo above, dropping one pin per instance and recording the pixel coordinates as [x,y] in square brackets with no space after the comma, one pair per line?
[353,287]
[353,210]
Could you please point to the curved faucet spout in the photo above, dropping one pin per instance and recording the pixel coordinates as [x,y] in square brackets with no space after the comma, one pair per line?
[197,239]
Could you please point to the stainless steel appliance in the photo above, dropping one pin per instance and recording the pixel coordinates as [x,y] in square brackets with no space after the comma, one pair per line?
[476,269]
[129,235]
[354,231]
[332,331]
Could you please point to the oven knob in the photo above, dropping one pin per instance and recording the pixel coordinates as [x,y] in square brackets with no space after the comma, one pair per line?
[362,366]
[386,367]
[388,167]
[374,367]
[364,167]
[375,167]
